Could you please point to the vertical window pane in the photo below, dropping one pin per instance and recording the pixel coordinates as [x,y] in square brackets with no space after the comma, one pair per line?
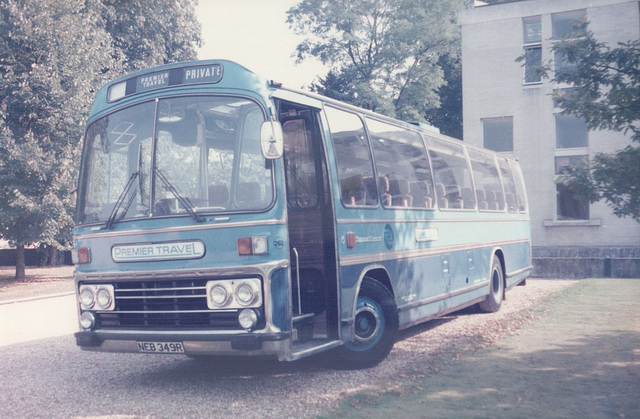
[453,184]
[487,181]
[571,132]
[521,196]
[352,156]
[299,164]
[498,133]
[568,24]
[117,146]
[564,163]
[562,66]
[254,189]
[532,30]
[532,64]
[510,191]
[569,206]
[402,165]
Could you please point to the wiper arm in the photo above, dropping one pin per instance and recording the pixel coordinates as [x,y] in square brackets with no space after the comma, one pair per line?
[114,213]
[184,201]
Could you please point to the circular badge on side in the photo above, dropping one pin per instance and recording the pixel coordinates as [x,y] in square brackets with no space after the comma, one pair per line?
[388,237]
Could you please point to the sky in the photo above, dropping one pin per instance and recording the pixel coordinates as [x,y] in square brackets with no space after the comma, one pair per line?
[255,34]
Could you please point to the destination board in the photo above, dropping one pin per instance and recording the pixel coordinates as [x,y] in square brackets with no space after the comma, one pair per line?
[196,74]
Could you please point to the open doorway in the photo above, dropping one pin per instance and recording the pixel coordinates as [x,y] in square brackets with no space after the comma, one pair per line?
[311,225]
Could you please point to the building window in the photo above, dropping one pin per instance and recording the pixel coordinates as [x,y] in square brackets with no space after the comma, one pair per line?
[569,206]
[565,163]
[562,66]
[568,24]
[532,41]
[532,64]
[498,133]
[571,132]
[532,30]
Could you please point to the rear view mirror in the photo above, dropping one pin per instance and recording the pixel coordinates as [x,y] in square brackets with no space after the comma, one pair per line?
[271,139]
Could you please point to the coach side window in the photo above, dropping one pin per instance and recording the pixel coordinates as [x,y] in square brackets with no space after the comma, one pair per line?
[454,187]
[404,177]
[353,157]
[521,196]
[510,192]
[487,180]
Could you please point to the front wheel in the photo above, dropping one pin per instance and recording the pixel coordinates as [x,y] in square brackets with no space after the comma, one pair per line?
[375,327]
[496,289]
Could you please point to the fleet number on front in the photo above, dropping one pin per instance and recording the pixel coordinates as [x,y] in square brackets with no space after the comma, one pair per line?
[161,347]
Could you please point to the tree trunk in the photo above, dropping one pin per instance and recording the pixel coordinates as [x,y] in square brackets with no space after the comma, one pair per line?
[53,256]
[20,262]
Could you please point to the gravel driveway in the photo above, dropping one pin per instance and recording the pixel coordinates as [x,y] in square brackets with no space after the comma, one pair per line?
[129,385]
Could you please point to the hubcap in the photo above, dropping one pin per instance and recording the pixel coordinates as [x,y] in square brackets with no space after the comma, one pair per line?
[367,323]
[497,283]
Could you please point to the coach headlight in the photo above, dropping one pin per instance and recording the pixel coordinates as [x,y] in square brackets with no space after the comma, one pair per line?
[247,319]
[218,295]
[87,298]
[97,297]
[246,294]
[87,320]
[104,297]
[230,294]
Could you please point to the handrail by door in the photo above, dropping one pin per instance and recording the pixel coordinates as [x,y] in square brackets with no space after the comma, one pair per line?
[295,252]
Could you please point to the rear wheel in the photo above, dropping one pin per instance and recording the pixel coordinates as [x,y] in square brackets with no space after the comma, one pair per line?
[375,327]
[496,292]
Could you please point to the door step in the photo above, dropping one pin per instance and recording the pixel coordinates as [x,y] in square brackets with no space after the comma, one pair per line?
[302,327]
[313,346]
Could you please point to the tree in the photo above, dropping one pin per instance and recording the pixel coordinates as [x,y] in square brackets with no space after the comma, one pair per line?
[606,93]
[448,116]
[384,54]
[152,32]
[54,55]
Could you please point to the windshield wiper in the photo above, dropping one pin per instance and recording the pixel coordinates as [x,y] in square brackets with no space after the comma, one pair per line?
[114,213]
[184,201]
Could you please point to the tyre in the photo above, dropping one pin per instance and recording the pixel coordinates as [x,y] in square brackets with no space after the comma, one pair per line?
[496,290]
[375,328]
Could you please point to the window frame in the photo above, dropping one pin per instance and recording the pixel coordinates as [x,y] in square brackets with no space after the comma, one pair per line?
[568,32]
[497,119]
[531,45]
[558,129]
[352,180]
[416,141]
[444,190]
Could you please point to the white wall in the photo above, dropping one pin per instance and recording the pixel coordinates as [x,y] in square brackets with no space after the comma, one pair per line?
[493,87]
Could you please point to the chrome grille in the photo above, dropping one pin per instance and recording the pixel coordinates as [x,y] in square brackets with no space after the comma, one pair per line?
[165,304]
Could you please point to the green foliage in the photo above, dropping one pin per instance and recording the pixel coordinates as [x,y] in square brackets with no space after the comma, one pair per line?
[448,116]
[152,32]
[614,177]
[54,55]
[606,93]
[384,54]
[45,89]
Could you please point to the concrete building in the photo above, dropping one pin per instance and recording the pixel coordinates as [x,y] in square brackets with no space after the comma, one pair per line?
[509,108]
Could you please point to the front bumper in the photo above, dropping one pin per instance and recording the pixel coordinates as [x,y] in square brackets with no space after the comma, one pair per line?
[250,344]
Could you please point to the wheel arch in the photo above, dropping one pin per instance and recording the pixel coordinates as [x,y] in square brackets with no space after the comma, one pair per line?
[381,275]
[500,254]
[376,272]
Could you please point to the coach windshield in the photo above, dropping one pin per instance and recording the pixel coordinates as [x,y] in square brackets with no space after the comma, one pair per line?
[181,156]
